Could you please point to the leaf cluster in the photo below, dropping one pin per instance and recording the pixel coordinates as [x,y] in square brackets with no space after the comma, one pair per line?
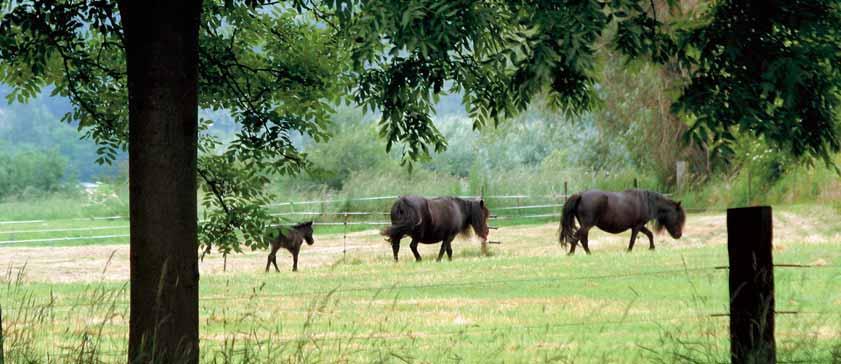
[770,69]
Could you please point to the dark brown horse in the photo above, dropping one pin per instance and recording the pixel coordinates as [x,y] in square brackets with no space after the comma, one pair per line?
[290,239]
[615,212]
[430,221]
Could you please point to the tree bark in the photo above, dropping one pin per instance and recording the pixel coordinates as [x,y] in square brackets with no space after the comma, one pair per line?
[162,59]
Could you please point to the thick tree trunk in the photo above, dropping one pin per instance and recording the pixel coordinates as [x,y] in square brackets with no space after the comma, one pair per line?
[162,61]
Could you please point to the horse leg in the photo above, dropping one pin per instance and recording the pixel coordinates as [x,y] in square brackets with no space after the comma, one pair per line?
[295,259]
[450,250]
[414,246]
[442,251]
[395,247]
[650,237]
[272,258]
[584,239]
[268,262]
[446,248]
[634,232]
[573,244]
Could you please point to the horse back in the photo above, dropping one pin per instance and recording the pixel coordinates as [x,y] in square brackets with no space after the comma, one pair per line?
[289,241]
[442,217]
[612,211]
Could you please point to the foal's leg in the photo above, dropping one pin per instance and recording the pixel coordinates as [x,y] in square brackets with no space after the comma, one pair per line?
[272,258]
[634,232]
[650,237]
[414,246]
[295,252]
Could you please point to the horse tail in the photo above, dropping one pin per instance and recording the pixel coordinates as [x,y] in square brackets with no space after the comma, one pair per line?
[568,229]
[404,219]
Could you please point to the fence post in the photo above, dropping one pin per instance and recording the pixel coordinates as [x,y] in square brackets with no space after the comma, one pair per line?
[344,240]
[749,236]
[680,175]
[566,196]
[636,183]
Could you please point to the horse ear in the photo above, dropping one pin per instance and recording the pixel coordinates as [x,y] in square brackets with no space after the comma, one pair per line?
[481,203]
[308,223]
[678,204]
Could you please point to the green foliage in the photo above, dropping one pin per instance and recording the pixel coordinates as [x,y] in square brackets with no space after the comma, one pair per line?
[353,147]
[278,69]
[498,55]
[272,69]
[234,201]
[37,125]
[24,171]
[771,69]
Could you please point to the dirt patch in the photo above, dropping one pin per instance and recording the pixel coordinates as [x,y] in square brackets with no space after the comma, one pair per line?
[111,263]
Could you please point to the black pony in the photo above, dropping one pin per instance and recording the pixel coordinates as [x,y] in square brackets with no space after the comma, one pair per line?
[430,221]
[615,212]
[290,239]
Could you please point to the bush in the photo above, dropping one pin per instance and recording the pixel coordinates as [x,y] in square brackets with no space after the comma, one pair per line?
[30,172]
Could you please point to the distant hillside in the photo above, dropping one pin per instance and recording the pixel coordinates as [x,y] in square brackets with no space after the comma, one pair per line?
[37,126]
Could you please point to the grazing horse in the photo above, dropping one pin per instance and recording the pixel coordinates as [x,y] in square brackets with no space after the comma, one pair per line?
[430,221]
[290,239]
[615,212]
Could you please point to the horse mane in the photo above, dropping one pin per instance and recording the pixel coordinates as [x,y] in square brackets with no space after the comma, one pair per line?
[474,218]
[301,225]
[653,201]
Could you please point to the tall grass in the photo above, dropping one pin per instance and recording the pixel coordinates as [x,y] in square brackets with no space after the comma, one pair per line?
[108,200]
[514,309]
[800,184]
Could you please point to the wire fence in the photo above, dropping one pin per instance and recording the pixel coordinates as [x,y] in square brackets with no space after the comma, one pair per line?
[58,235]
[396,286]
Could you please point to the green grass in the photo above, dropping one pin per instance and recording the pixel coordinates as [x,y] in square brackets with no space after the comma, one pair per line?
[609,307]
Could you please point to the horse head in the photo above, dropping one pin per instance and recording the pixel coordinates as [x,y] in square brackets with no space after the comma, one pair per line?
[306,229]
[671,216]
[479,218]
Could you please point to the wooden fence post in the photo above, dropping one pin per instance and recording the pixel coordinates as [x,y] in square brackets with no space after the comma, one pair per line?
[749,236]
[680,175]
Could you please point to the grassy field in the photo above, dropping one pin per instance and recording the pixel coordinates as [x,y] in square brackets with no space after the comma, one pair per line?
[528,302]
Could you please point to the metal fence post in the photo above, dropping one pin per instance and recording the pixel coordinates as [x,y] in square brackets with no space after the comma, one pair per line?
[749,237]
[344,240]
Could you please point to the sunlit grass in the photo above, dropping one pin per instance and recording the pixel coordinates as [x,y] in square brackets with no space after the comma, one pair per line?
[609,307]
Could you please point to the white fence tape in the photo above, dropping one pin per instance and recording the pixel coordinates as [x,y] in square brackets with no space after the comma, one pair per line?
[527,207]
[65,229]
[64,239]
